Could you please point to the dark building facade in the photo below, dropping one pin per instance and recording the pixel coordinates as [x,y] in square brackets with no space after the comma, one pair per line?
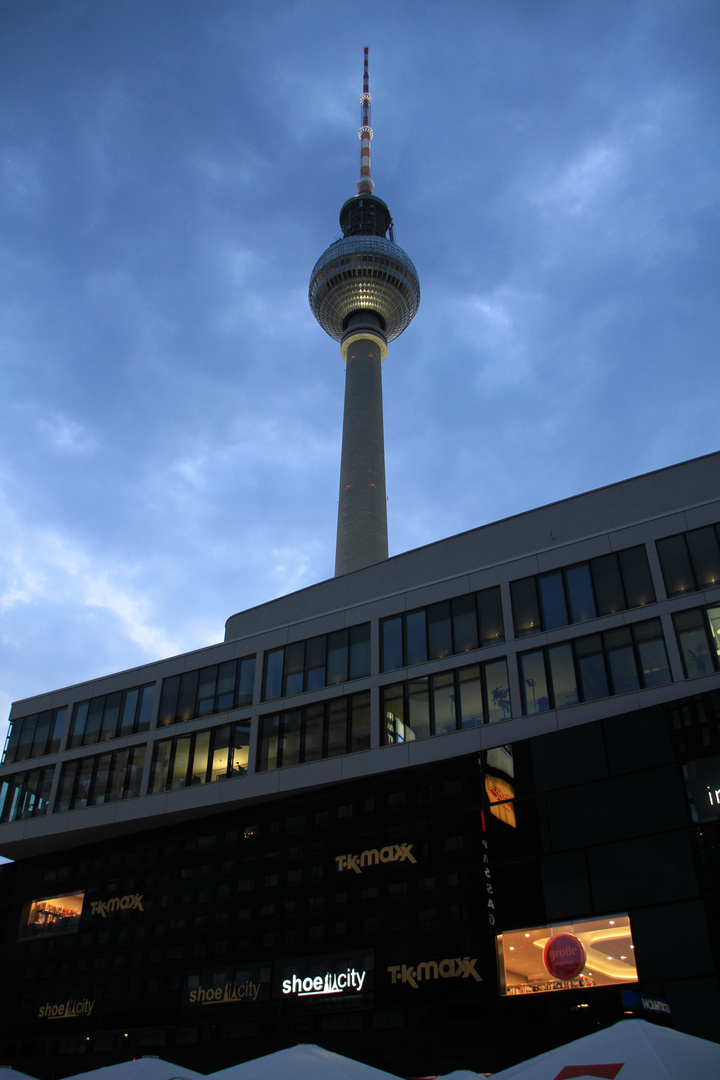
[446,811]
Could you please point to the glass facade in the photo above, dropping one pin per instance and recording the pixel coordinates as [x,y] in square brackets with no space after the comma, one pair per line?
[200,758]
[595,666]
[212,689]
[102,778]
[443,629]
[698,634]
[326,660]
[445,702]
[326,729]
[603,586]
[100,719]
[26,794]
[33,736]
[690,560]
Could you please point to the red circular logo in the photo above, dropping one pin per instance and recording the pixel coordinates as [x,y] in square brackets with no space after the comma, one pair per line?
[564,956]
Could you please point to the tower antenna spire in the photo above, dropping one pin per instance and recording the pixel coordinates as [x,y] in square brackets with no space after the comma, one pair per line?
[365,185]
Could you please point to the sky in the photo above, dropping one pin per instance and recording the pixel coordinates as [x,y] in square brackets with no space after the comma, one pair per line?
[170,171]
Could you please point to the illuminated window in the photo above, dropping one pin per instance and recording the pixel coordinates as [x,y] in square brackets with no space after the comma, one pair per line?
[567,956]
[51,916]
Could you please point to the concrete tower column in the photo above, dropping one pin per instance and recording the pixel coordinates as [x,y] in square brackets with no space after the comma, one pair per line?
[362,503]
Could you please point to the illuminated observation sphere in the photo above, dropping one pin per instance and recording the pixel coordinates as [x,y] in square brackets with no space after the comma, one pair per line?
[364,272]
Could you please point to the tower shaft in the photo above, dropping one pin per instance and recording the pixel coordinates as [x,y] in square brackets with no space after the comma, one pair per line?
[362,536]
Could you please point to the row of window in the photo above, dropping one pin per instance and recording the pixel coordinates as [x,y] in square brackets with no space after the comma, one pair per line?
[691,560]
[33,736]
[201,758]
[125,712]
[449,701]
[322,730]
[207,690]
[100,779]
[451,626]
[25,794]
[326,660]
[602,586]
[596,666]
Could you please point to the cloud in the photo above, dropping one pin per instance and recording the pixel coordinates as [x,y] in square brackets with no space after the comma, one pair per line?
[66,434]
[43,566]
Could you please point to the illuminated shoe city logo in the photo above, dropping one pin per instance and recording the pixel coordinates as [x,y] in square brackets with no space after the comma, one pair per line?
[329,983]
[66,1011]
[221,995]
[450,968]
[131,902]
[391,853]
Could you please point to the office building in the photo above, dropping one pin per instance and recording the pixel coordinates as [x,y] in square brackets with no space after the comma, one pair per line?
[445,811]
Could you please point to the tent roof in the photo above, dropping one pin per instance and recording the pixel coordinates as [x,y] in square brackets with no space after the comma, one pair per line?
[144,1068]
[8,1073]
[303,1062]
[629,1050]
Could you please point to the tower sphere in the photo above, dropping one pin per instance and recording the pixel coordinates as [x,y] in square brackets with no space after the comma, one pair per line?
[364,272]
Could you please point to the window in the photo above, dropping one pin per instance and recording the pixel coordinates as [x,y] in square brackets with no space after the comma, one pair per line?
[33,736]
[103,778]
[569,956]
[52,916]
[25,795]
[690,560]
[443,629]
[450,701]
[213,689]
[200,758]
[323,730]
[596,666]
[108,717]
[321,661]
[698,634]
[602,586]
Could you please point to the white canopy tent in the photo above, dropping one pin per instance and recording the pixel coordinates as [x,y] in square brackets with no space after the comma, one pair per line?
[144,1068]
[8,1073]
[629,1050]
[303,1062]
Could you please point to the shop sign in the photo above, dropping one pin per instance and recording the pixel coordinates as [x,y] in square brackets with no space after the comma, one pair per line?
[67,1011]
[229,994]
[564,956]
[391,853]
[636,1002]
[323,985]
[450,968]
[488,884]
[131,902]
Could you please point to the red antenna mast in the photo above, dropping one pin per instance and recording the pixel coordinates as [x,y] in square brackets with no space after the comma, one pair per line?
[365,185]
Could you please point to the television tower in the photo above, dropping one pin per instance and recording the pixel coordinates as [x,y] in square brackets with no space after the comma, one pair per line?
[364,291]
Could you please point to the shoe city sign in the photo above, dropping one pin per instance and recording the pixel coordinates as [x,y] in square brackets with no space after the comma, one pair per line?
[67,1010]
[343,982]
[230,993]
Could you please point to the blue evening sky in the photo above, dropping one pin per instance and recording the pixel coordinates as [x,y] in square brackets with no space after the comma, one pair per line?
[170,170]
